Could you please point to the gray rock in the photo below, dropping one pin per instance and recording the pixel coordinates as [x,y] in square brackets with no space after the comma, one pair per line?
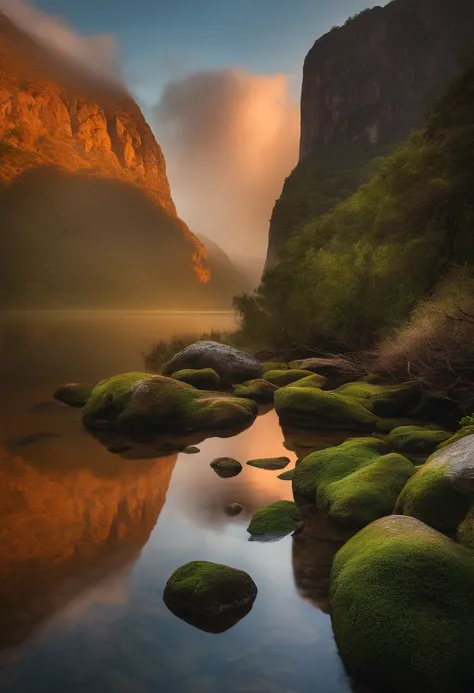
[459,458]
[232,365]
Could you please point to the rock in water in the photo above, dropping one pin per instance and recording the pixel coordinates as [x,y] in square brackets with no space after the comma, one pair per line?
[74,394]
[208,589]
[259,390]
[234,509]
[201,378]
[226,467]
[232,365]
[275,520]
[402,608]
[271,463]
[137,403]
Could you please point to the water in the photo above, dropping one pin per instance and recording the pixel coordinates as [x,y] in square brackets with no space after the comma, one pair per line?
[88,538]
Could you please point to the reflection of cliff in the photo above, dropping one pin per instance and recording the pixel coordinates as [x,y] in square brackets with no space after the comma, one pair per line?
[61,532]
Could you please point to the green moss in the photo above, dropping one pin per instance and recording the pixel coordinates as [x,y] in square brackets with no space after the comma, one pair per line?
[139,402]
[275,520]
[287,476]
[274,366]
[466,431]
[388,425]
[314,380]
[417,439]
[430,497]
[202,379]
[402,608]
[285,377]
[323,467]
[385,400]
[226,466]
[74,394]
[314,408]
[207,588]
[271,463]
[259,390]
[360,389]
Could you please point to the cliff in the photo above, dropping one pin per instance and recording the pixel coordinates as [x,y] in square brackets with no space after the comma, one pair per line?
[87,214]
[366,87]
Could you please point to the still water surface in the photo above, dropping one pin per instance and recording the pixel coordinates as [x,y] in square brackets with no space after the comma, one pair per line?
[88,539]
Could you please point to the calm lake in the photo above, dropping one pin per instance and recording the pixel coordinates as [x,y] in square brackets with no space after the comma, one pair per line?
[88,538]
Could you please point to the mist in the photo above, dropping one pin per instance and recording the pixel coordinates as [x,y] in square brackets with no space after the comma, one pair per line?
[230,138]
[96,54]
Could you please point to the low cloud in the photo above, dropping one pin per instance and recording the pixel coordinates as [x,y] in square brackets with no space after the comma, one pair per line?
[230,139]
[96,54]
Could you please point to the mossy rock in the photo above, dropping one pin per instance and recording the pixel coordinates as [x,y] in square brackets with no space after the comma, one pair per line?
[313,408]
[258,390]
[441,492]
[74,394]
[205,588]
[402,608]
[285,377]
[226,467]
[354,483]
[417,440]
[314,380]
[271,463]
[462,433]
[142,403]
[287,476]
[202,379]
[274,366]
[275,520]
[388,425]
[389,401]
[232,365]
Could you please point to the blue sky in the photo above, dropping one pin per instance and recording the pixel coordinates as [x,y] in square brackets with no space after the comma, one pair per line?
[161,40]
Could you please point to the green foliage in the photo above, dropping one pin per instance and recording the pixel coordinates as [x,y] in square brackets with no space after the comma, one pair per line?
[467,421]
[347,276]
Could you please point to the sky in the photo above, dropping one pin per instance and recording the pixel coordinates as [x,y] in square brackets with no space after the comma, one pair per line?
[219,82]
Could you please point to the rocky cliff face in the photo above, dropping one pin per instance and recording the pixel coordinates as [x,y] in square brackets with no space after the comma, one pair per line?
[366,86]
[78,162]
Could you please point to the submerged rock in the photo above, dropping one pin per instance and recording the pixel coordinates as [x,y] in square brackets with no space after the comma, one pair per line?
[208,589]
[202,379]
[275,520]
[286,377]
[226,466]
[271,463]
[313,408]
[232,365]
[141,403]
[442,490]
[259,390]
[191,450]
[356,482]
[74,394]
[402,608]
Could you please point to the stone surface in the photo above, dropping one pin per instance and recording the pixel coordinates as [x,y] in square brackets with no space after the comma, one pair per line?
[74,394]
[270,463]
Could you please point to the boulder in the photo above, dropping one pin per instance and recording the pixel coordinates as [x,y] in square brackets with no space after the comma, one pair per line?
[275,520]
[354,483]
[74,394]
[208,589]
[313,408]
[442,490]
[336,369]
[137,403]
[259,390]
[286,377]
[202,379]
[226,467]
[417,440]
[402,608]
[232,366]
[271,463]
[389,401]
[314,380]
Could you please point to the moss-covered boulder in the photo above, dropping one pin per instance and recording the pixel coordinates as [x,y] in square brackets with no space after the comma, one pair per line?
[314,380]
[271,463]
[275,520]
[285,377]
[205,588]
[274,366]
[74,394]
[287,476]
[202,379]
[442,490]
[232,366]
[336,369]
[142,403]
[402,608]
[259,390]
[226,467]
[388,401]
[417,440]
[313,408]
[354,483]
